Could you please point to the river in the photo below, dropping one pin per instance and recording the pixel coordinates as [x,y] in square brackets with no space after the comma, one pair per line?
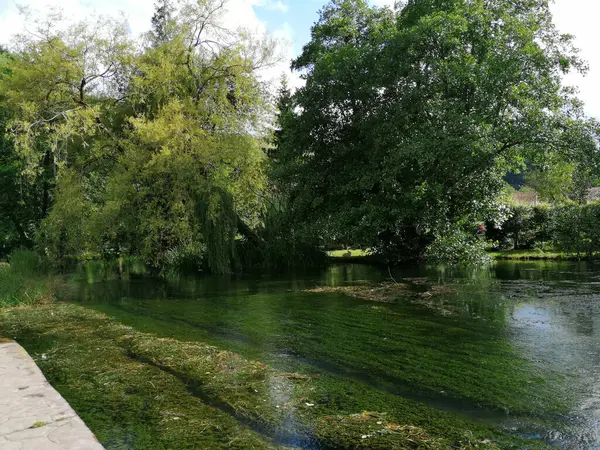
[515,344]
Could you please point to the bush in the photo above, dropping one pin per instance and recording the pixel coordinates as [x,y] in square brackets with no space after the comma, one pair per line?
[278,245]
[571,227]
[26,262]
[527,227]
[577,228]
[457,247]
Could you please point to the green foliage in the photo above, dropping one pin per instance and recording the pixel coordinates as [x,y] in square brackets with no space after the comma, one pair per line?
[553,184]
[577,229]
[572,228]
[279,245]
[457,247]
[26,263]
[156,151]
[558,181]
[162,22]
[523,228]
[168,149]
[409,120]
[20,202]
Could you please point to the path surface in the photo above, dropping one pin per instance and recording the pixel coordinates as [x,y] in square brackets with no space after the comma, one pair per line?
[33,416]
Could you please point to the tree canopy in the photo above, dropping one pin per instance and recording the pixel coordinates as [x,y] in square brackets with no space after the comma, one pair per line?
[172,148]
[409,120]
[155,150]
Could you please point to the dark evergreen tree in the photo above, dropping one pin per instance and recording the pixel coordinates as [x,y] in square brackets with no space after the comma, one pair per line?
[162,30]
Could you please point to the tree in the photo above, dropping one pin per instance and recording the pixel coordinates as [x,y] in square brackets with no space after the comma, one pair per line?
[162,22]
[155,151]
[409,120]
[20,201]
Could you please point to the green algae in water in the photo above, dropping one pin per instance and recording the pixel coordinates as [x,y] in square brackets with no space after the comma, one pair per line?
[483,360]
[126,403]
[492,360]
[403,348]
[98,365]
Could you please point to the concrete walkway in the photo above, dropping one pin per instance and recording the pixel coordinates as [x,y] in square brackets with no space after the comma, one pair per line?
[33,416]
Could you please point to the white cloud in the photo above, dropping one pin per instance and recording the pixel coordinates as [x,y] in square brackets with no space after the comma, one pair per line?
[579,17]
[275,5]
[389,3]
[137,12]
[240,13]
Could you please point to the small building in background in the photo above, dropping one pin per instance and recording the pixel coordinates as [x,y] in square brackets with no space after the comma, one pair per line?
[593,194]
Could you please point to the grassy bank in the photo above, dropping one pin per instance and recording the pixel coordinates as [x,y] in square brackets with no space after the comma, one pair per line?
[514,255]
[354,256]
[353,253]
[135,390]
[24,280]
[537,255]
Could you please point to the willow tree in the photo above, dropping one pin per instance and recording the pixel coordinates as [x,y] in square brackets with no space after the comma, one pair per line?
[410,119]
[19,202]
[61,79]
[158,149]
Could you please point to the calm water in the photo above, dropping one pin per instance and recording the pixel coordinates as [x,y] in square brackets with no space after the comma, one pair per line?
[517,345]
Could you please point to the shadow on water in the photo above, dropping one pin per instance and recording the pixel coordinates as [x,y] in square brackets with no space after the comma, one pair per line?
[521,349]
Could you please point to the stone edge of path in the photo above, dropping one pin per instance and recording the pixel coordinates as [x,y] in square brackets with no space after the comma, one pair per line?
[33,415]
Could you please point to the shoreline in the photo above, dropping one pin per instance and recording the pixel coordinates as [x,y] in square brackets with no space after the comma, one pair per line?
[35,414]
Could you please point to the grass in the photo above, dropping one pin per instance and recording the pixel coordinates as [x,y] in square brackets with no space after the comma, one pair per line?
[535,254]
[135,390]
[353,253]
[24,281]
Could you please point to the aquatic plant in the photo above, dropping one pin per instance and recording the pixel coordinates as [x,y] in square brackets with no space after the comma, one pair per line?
[138,391]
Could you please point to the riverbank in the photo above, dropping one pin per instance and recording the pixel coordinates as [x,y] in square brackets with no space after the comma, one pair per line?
[26,282]
[537,255]
[360,256]
[135,388]
[33,414]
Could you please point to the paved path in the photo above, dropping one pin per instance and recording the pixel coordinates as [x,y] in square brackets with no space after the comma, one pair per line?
[33,416]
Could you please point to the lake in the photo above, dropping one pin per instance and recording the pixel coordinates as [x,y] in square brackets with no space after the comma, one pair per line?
[515,344]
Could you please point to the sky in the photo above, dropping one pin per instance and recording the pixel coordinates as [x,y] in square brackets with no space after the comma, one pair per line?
[290,21]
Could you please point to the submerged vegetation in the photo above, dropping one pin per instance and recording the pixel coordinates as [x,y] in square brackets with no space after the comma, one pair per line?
[141,391]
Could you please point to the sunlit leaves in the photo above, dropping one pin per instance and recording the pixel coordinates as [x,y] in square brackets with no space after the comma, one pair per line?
[155,150]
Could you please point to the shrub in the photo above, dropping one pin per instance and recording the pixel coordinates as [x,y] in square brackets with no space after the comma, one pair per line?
[527,227]
[570,227]
[25,262]
[576,228]
[455,246]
